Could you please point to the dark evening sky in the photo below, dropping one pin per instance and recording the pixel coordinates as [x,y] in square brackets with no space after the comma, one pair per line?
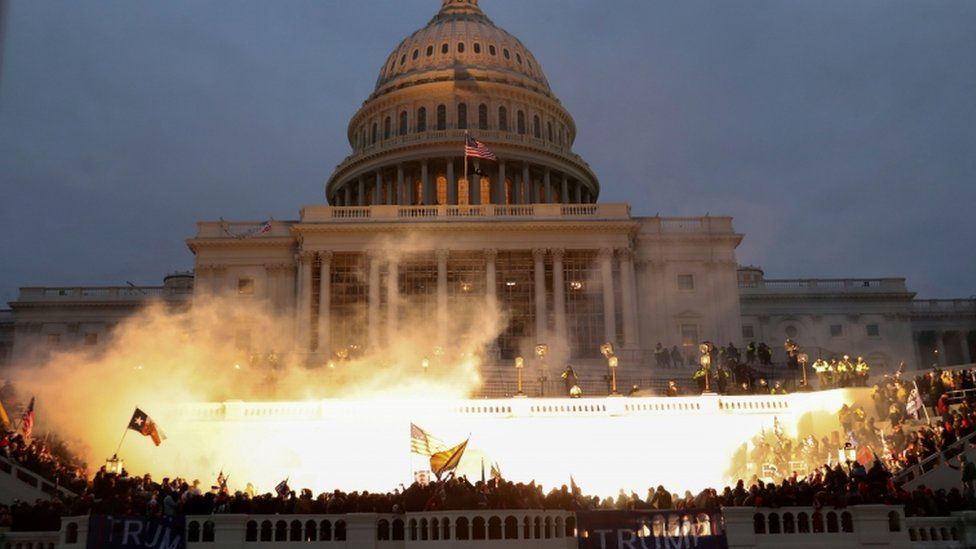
[840,135]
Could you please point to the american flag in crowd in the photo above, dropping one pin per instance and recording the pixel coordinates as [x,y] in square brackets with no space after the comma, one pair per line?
[423,443]
[27,420]
[477,149]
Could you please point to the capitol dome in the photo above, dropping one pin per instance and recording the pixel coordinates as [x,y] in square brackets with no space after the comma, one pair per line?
[461,74]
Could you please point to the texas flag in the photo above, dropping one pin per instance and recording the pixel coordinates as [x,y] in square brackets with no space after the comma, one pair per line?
[144,425]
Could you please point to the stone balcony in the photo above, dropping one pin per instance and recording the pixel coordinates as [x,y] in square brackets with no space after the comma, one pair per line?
[38,294]
[824,286]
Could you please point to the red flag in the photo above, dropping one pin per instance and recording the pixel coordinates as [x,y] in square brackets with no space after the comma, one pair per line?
[144,425]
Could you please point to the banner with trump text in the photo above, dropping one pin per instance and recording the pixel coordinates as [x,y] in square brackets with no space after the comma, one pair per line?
[651,529]
[127,532]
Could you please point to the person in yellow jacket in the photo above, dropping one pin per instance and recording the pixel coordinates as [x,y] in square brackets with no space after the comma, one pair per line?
[822,370]
[862,371]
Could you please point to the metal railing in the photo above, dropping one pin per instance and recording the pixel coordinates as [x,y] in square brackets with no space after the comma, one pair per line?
[915,471]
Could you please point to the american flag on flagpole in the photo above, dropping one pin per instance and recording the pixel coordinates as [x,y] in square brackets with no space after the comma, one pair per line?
[476,149]
[27,420]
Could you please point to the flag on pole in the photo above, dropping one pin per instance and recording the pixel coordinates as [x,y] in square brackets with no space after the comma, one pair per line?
[145,426]
[448,460]
[423,443]
[573,488]
[476,149]
[27,420]
[496,472]
[282,488]
[4,418]
[914,403]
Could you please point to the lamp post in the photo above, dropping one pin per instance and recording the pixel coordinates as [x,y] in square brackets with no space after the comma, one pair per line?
[612,362]
[519,364]
[804,358]
[706,361]
[541,350]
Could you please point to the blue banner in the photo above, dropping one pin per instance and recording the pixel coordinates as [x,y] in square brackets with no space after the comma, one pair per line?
[651,529]
[108,532]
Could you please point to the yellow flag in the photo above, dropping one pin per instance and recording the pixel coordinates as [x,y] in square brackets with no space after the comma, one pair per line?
[442,462]
[4,418]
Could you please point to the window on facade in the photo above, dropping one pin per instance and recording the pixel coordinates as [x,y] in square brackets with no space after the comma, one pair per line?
[491,50]
[584,304]
[421,119]
[444,47]
[441,117]
[689,335]
[477,47]
[506,54]
[748,332]
[91,339]
[686,282]
[245,286]
[836,330]
[403,123]
[403,60]
[521,122]
[503,119]
[430,51]
[387,128]
[460,47]
[518,58]
[536,127]
[349,291]
[483,116]
[516,296]
[873,330]
[462,116]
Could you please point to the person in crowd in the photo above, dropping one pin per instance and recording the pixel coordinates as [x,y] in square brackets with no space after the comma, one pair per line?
[676,359]
[751,353]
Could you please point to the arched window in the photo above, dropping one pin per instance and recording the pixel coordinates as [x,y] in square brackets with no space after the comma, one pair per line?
[193,531]
[570,527]
[445,528]
[430,51]
[250,531]
[462,116]
[832,522]
[536,127]
[444,47]
[460,47]
[518,58]
[340,530]
[266,530]
[208,531]
[478,528]
[421,119]
[71,532]
[281,531]
[483,116]
[521,123]
[494,528]
[503,119]
[413,530]
[403,60]
[894,522]
[506,54]
[759,523]
[383,530]
[423,529]
[325,531]
[477,47]
[818,522]
[789,525]
[416,53]
[803,523]
[461,529]
[511,528]
[387,128]
[773,523]
[295,531]
[441,117]
[846,522]
[403,123]
[310,530]
[397,530]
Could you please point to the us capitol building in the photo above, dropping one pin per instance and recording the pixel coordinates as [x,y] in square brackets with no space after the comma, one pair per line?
[412,230]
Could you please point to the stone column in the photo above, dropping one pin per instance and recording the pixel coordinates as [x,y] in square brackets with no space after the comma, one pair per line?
[373,315]
[271,272]
[347,194]
[361,199]
[559,293]
[564,191]
[378,191]
[398,195]
[609,308]
[441,294]
[491,286]
[500,189]
[527,184]
[629,297]
[541,319]
[452,190]
[547,182]
[427,197]
[517,189]
[325,302]
[392,300]
[579,192]
[304,307]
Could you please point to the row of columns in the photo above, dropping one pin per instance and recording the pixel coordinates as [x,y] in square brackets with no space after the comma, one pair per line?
[525,190]
[940,358]
[307,261]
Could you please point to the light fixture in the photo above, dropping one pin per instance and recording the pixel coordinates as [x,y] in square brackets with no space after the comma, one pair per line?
[575,285]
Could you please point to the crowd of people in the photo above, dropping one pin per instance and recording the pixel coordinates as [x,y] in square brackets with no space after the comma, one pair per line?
[51,461]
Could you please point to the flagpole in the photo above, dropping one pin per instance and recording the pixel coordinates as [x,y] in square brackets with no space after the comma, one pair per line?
[466,182]
[918,394]
[121,440]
